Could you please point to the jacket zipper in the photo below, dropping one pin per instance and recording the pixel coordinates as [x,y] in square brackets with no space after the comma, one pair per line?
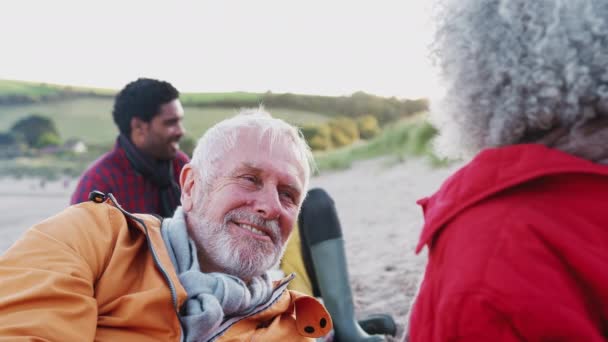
[156,260]
[276,294]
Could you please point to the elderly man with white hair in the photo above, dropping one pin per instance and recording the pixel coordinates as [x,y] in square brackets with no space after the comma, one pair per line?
[97,272]
[518,238]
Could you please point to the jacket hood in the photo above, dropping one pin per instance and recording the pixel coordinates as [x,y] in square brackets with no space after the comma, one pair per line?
[492,171]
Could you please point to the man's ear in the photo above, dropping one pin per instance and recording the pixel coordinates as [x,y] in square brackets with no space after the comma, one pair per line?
[138,129]
[186,182]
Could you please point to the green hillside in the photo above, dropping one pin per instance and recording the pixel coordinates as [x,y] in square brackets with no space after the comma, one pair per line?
[90,119]
[22,92]
[8,88]
[201,99]
[386,110]
[85,113]
[399,141]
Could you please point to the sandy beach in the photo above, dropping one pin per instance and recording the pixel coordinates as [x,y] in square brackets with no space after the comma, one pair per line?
[375,201]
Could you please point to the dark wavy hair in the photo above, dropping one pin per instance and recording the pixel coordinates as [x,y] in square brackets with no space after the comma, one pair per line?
[142,99]
[515,69]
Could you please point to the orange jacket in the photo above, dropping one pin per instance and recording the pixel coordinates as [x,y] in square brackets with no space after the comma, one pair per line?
[94,273]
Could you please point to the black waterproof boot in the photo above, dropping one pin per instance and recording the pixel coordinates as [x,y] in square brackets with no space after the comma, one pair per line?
[330,267]
[325,261]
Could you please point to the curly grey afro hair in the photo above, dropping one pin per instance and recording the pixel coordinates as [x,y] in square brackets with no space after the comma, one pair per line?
[516,69]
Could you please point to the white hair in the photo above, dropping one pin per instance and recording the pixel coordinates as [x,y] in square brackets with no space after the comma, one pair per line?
[516,69]
[222,138]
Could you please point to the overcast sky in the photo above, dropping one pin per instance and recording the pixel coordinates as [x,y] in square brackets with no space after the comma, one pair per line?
[326,47]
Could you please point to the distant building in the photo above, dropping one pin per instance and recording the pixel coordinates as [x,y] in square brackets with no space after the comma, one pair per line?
[71,145]
[75,145]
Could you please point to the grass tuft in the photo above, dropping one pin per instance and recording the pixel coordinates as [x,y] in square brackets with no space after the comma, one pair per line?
[405,139]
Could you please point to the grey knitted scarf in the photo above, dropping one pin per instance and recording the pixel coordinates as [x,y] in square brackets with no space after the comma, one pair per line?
[212,297]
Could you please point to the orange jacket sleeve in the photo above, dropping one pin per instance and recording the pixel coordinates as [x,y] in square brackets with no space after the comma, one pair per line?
[47,281]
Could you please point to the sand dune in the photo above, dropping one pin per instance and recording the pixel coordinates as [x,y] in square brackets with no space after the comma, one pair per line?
[375,201]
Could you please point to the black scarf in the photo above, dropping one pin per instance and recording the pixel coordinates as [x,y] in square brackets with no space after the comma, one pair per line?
[159,172]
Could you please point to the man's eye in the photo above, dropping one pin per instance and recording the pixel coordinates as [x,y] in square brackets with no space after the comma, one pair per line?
[250,178]
[288,195]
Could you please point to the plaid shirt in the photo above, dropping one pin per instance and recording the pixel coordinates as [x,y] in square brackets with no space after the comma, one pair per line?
[112,173]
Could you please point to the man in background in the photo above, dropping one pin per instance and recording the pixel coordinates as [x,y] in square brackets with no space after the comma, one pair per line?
[142,170]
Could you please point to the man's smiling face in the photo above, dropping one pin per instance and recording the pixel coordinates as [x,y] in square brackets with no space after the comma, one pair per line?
[243,220]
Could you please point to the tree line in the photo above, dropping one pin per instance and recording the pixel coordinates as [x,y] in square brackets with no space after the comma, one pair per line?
[353,106]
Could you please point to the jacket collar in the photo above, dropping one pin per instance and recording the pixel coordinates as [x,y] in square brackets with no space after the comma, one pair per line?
[149,226]
[491,171]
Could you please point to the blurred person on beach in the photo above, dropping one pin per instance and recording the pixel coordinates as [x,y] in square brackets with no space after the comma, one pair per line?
[142,170]
[518,238]
[97,272]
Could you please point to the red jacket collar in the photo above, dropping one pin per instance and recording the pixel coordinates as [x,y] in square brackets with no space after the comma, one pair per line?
[490,172]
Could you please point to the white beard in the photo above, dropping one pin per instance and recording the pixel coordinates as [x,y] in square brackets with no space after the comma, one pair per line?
[243,259]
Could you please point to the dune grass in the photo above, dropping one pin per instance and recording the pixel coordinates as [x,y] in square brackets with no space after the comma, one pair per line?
[411,137]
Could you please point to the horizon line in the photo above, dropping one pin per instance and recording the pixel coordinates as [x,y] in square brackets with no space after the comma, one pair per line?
[71,85]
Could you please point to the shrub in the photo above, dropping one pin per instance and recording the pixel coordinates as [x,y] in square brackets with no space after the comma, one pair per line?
[368,126]
[319,143]
[48,139]
[347,126]
[339,138]
[33,127]
[318,136]
[344,131]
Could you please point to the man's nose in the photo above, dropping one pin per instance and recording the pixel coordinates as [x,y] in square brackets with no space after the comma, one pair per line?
[268,204]
[180,130]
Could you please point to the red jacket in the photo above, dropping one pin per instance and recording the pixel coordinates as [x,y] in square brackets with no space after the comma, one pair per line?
[518,250]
